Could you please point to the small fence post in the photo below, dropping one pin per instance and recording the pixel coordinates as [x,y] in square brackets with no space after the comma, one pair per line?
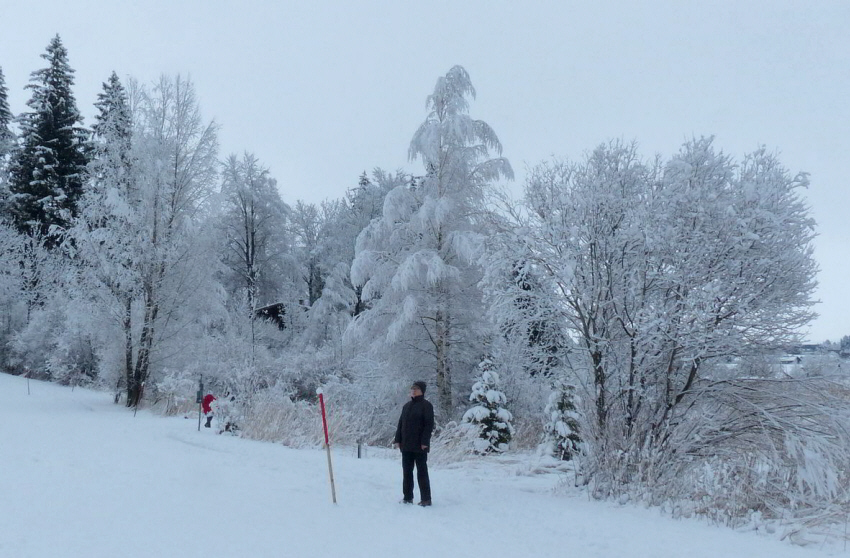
[199,399]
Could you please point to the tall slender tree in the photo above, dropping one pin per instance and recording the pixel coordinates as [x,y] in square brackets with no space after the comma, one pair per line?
[48,171]
[254,222]
[7,138]
[177,158]
[7,143]
[306,227]
[108,212]
[418,263]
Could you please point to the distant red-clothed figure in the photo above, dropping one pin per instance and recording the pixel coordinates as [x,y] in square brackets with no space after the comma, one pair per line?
[207,407]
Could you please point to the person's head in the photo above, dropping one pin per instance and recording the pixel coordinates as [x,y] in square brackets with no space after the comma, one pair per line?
[418,388]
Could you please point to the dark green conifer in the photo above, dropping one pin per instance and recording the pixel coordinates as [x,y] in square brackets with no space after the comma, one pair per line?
[7,138]
[48,171]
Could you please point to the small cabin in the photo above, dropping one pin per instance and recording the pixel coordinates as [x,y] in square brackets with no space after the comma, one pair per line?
[275,313]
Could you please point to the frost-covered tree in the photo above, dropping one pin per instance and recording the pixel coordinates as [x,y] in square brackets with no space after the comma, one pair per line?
[361,206]
[139,238]
[522,308]
[12,308]
[48,171]
[105,233]
[178,172]
[7,145]
[7,137]
[113,130]
[307,226]
[342,221]
[561,425]
[254,219]
[417,264]
[488,413]
[660,270]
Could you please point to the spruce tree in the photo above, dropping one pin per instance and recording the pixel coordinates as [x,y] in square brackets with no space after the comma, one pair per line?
[489,414]
[113,123]
[561,428]
[107,214]
[7,138]
[7,144]
[47,173]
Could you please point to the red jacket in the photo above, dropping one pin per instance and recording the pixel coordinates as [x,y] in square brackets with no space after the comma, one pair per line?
[208,399]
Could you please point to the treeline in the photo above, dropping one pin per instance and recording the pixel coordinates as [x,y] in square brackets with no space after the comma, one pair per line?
[618,309]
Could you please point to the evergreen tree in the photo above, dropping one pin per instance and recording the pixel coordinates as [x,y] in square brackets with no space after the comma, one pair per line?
[7,144]
[107,214]
[48,172]
[7,138]
[113,128]
[561,429]
[489,414]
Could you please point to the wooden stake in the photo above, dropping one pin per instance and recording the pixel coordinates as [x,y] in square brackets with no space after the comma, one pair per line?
[327,443]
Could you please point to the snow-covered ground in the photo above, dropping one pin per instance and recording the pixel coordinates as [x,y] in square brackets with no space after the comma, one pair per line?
[82,477]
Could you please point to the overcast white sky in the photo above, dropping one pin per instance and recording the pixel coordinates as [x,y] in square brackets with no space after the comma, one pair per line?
[321,91]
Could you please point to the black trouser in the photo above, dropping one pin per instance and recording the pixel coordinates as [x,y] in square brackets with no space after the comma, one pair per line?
[420,459]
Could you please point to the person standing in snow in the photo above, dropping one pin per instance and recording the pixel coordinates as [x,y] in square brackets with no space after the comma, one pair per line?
[207,408]
[413,437]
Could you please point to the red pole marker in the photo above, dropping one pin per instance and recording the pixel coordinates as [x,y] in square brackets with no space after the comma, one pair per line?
[327,442]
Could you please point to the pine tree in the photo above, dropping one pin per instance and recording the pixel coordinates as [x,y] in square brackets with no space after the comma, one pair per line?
[48,172]
[7,144]
[561,429]
[489,414]
[7,138]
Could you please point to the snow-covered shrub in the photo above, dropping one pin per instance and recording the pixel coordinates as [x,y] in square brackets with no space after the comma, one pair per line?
[229,414]
[492,419]
[57,344]
[176,391]
[451,443]
[356,412]
[561,426]
[272,415]
[778,447]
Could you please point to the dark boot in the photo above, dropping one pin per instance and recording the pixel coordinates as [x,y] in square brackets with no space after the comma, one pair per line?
[209,421]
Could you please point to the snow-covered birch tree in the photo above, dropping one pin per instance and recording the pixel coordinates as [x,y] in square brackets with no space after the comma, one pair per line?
[138,231]
[178,170]
[417,263]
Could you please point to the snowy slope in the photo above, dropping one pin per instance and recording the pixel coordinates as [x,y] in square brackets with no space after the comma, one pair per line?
[82,477]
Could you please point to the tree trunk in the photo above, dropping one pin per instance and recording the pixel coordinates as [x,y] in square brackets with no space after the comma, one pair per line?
[601,389]
[140,373]
[127,324]
[444,373]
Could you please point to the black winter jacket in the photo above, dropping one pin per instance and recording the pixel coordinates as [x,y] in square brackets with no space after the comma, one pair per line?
[415,425]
